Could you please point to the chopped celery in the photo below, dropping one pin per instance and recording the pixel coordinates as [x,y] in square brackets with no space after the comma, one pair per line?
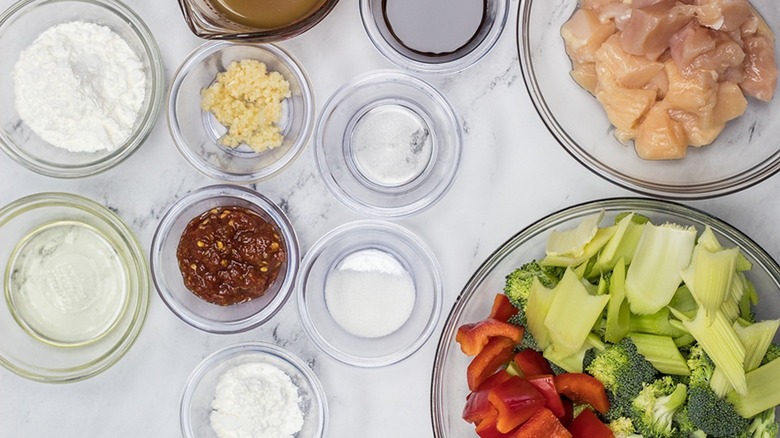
[708,240]
[763,390]
[684,340]
[621,245]
[683,303]
[654,274]
[572,314]
[539,300]
[571,363]
[710,276]
[592,248]
[719,340]
[661,352]
[618,313]
[756,338]
[655,324]
[571,243]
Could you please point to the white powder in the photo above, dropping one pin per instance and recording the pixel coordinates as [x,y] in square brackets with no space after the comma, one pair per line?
[79,86]
[370,294]
[256,400]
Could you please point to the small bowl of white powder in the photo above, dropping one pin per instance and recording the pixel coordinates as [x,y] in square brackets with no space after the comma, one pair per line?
[83,85]
[369,293]
[253,389]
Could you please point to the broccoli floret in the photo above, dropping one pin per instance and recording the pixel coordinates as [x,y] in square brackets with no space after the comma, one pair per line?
[685,426]
[528,340]
[763,425]
[655,406]
[712,414]
[772,353]
[623,427]
[623,371]
[518,282]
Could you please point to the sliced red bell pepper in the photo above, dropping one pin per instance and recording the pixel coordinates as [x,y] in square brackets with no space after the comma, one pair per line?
[588,425]
[582,388]
[546,386]
[543,424]
[495,354]
[568,408]
[487,429]
[478,407]
[473,337]
[502,308]
[532,363]
[516,401]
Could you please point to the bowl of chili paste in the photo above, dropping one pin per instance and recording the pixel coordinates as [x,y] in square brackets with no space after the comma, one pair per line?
[224,258]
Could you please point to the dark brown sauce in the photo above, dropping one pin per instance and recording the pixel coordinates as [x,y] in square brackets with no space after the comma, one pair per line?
[229,255]
[435,28]
[266,14]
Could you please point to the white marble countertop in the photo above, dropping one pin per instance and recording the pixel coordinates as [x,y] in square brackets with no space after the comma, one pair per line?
[505,182]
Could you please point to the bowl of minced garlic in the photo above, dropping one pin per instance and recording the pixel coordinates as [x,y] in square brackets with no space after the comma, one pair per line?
[240,112]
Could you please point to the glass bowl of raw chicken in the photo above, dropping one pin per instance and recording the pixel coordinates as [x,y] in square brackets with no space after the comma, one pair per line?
[667,98]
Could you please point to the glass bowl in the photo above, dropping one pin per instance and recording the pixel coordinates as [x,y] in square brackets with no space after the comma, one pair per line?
[196,132]
[19,26]
[384,39]
[449,389]
[206,21]
[63,318]
[388,144]
[168,279]
[746,153]
[201,386]
[354,247]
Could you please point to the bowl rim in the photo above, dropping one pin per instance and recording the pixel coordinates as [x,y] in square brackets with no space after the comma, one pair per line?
[273,35]
[450,67]
[397,232]
[281,221]
[194,160]
[139,311]
[405,79]
[250,347]
[147,116]
[548,221]
[724,186]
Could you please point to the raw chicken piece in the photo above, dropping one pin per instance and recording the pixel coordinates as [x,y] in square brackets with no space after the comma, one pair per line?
[583,34]
[699,129]
[694,92]
[585,76]
[597,5]
[625,107]
[659,137]
[618,13]
[731,103]
[629,70]
[760,67]
[659,83]
[696,47]
[725,15]
[649,29]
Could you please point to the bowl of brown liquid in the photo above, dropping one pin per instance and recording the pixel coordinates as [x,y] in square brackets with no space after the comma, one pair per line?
[255,20]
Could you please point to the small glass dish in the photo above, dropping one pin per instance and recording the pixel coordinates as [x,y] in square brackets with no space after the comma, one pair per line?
[388,144]
[329,255]
[61,320]
[19,26]
[199,390]
[168,279]
[196,132]
[380,33]
[205,21]
[744,154]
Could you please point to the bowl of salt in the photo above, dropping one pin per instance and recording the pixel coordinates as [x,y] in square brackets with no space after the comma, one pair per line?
[370,293]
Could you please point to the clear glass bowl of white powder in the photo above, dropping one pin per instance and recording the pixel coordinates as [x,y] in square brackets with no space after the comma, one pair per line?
[253,389]
[82,85]
[369,293]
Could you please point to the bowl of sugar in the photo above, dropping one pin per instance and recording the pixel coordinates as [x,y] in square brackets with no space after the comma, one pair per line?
[83,82]
[370,293]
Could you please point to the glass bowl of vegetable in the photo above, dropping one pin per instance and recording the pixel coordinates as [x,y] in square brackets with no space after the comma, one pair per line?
[700,303]
[743,154]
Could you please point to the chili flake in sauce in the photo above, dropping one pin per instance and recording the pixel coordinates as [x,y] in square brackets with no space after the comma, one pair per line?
[229,255]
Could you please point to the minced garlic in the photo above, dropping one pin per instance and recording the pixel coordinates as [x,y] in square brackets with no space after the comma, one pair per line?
[248,101]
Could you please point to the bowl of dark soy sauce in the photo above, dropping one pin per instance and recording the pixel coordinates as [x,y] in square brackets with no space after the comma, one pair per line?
[434,36]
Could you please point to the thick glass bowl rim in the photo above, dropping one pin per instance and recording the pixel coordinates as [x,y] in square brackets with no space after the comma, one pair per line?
[196,57]
[113,355]
[237,350]
[148,114]
[384,76]
[745,179]
[397,232]
[281,221]
[548,222]
[454,66]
